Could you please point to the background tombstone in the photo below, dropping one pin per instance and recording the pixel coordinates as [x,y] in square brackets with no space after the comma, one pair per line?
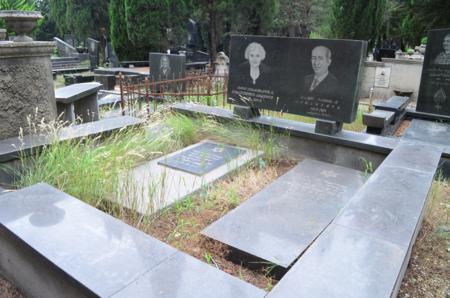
[166,66]
[287,72]
[93,47]
[434,92]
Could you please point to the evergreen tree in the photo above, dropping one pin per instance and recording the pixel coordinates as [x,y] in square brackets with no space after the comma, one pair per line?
[253,17]
[118,30]
[58,15]
[85,18]
[357,19]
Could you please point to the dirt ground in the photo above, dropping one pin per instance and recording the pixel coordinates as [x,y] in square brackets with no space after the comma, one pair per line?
[427,275]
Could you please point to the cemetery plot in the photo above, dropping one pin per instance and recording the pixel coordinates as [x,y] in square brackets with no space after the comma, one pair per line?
[316,78]
[161,182]
[308,197]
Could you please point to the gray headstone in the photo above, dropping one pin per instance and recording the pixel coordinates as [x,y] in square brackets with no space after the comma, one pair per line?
[165,67]
[94,52]
[434,92]
[281,221]
[316,78]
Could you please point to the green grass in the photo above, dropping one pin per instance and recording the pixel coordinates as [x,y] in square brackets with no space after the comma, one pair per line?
[90,168]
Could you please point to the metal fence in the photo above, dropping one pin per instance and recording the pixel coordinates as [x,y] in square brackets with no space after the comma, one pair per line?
[138,94]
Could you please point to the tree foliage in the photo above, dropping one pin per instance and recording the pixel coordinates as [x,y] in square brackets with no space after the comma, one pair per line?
[357,19]
[416,17]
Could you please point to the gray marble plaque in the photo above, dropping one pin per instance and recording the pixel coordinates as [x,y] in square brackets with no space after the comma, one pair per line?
[281,221]
[202,158]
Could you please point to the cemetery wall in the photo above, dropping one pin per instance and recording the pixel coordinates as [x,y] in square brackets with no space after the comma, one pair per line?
[404,75]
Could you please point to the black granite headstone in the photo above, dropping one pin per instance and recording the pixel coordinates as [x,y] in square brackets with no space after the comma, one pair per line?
[165,67]
[316,78]
[434,93]
[202,158]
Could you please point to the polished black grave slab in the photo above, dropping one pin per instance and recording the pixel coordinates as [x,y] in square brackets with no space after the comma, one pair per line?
[429,132]
[183,276]
[281,221]
[94,252]
[364,252]
[53,245]
[202,158]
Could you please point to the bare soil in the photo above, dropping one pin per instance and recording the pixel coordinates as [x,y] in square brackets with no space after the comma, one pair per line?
[402,128]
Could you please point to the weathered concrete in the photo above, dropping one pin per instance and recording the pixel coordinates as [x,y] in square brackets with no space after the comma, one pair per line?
[26,86]
[405,75]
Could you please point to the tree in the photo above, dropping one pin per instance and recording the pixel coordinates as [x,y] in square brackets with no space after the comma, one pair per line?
[118,29]
[416,17]
[357,19]
[85,18]
[58,15]
[253,17]
[213,13]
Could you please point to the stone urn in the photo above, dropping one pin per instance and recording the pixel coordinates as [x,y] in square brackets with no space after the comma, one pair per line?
[21,22]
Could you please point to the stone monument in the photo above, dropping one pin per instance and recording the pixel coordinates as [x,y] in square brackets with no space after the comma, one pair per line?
[312,77]
[434,92]
[26,82]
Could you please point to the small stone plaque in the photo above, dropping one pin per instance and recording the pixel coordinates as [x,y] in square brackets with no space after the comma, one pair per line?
[312,77]
[382,77]
[202,158]
[434,92]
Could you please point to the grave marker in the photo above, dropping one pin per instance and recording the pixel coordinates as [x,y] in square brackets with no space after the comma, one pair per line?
[166,66]
[316,78]
[203,158]
[434,92]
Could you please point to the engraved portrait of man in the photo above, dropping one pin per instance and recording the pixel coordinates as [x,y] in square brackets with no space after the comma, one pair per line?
[164,67]
[322,81]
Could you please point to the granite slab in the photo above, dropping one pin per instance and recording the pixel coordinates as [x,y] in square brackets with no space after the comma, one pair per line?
[343,262]
[11,148]
[97,251]
[202,159]
[394,103]
[391,203]
[151,186]
[429,132]
[378,118]
[281,221]
[183,276]
[75,92]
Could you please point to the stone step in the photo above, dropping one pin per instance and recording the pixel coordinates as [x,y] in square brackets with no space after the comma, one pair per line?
[395,104]
[53,245]
[281,221]
[378,118]
[366,249]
